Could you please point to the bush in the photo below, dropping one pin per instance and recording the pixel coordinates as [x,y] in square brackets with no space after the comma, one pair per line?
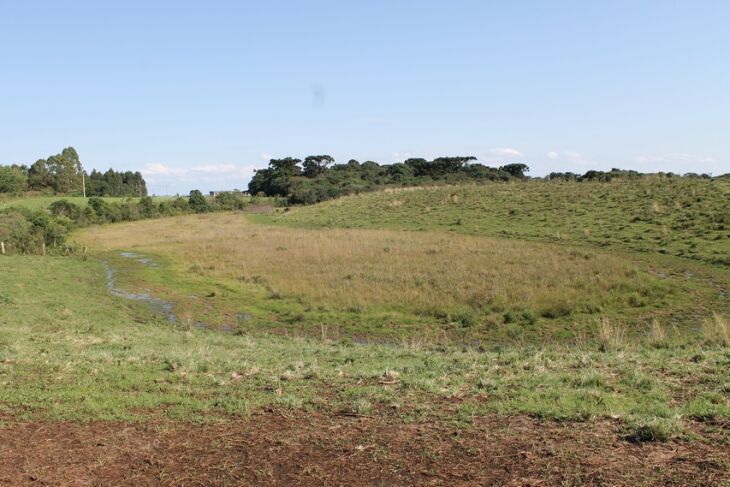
[12,180]
[557,310]
[197,202]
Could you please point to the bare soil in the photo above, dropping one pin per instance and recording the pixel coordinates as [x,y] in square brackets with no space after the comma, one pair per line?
[275,448]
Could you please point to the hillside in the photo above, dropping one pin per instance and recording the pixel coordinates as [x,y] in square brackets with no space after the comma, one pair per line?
[687,217]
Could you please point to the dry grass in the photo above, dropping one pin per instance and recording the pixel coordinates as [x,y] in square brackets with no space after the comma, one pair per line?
[716,330]
[359,269]
[657,336]
[611,337]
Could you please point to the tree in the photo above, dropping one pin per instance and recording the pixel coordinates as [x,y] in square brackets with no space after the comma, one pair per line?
[517,170]
[197,202]
[275,180]
[315,165]
[39,177]
[12,179]
[66,171]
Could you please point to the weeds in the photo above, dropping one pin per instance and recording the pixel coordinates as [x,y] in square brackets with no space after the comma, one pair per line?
[611,337]
[716,330]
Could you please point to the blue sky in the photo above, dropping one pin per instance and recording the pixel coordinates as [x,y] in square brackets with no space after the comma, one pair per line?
[198,94]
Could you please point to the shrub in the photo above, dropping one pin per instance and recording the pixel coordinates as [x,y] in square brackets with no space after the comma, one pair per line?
[67,209]
[197,202]
[558,309]
[12,180]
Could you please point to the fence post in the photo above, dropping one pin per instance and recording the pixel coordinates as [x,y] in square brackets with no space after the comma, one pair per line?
[2,248]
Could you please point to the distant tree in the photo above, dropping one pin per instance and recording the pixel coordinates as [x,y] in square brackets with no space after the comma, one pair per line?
[276,179]
[400,172]
[39,177]
[517,170]
[197,202]
[439,167]
[313,166]
[12,179]
[66,170]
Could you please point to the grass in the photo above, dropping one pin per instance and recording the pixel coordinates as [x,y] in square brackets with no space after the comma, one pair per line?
[677,216]
[448,323]
[393,284]
[43,202]
[71,350]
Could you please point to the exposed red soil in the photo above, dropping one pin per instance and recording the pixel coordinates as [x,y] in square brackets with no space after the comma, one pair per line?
[271,448]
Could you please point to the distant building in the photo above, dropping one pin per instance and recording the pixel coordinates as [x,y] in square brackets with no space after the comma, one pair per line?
[216,193]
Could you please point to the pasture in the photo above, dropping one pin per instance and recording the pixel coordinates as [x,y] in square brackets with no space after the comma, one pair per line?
[352,335]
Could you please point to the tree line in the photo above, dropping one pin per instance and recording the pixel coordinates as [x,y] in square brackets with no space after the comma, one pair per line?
[317,178]
[63,174]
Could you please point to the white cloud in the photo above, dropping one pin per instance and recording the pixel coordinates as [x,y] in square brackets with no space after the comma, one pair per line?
[265,156]
[676,157]
[568,156]
[158,172]
[506,152]
[215,169]
[158,169]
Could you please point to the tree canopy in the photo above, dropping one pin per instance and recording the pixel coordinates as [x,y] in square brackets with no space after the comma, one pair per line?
[63,174]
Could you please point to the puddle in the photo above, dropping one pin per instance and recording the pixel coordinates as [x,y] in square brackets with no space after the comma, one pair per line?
[139,258]
[158,305]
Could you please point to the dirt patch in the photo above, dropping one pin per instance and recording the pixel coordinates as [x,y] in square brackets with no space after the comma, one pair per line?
[272,448]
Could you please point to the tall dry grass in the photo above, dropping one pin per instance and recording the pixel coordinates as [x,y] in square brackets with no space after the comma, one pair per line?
[716,330]
[421,271]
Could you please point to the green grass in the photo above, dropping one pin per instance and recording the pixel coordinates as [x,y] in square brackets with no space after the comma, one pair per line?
[43,202]
[71,350]
[678,216]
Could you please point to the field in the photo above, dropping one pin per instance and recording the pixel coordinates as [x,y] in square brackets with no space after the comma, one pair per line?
[43,202]
[386,284]
[316,346]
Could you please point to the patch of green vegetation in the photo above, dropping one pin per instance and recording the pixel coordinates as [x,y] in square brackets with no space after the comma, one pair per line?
[70,349]
[44,202]
[687,217]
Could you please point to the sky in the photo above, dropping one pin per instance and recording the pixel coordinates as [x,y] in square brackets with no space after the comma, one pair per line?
[199,94]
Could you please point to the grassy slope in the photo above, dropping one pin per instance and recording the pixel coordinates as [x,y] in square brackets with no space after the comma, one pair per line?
[684,217]
[69,349]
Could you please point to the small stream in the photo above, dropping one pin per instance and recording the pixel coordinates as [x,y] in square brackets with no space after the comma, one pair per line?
[158,305]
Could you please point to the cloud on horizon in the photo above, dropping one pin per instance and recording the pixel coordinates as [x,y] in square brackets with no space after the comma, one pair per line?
[507,152]
[223,176]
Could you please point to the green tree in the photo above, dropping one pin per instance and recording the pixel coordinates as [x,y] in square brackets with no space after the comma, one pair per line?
[517,170]
[197,202]
[315,165]
[39,176]
[12,179]
[66,170]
